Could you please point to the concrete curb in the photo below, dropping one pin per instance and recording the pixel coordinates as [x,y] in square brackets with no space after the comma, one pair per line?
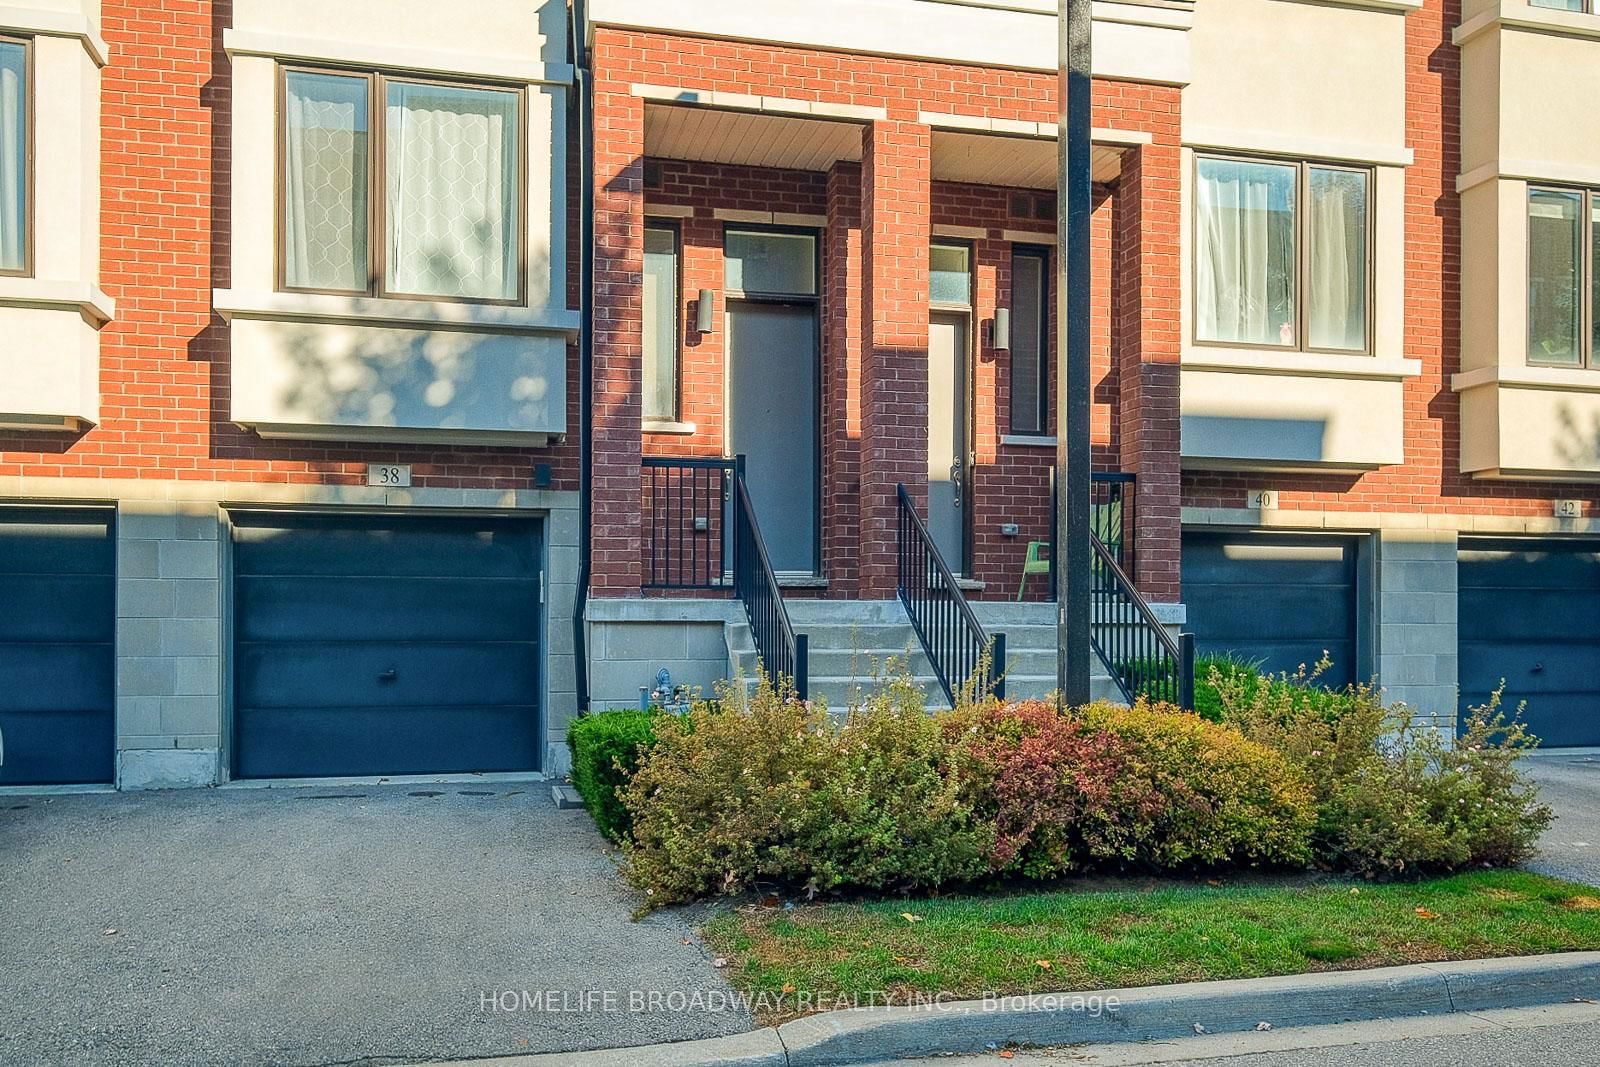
[865,1035]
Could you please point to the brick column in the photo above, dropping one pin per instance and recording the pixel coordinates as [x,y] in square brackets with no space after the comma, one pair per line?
[1151,338]
[841,385]
[618,326]
[894,360]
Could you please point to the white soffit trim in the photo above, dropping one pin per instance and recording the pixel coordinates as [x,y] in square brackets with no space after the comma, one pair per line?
[405,314]
[365,53]
[1294,145]
[776,105]
[1016,128]
[58,24]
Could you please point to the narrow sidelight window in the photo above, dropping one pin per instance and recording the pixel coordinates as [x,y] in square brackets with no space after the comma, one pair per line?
[1029,345]
[1282,255]
[434,168]
[1555,277]
[660,322]
[15,144]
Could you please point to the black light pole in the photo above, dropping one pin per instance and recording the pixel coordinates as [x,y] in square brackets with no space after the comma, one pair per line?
[1073,552]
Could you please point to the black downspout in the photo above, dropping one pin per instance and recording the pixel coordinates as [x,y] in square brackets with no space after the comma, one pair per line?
[585,125]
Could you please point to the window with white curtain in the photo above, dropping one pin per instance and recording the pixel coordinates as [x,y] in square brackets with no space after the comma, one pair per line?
[1563,276]
[434,167]
[14,145]
[1282,255]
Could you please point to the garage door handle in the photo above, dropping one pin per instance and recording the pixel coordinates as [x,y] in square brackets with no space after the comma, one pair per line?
[1538,668]
[388,675]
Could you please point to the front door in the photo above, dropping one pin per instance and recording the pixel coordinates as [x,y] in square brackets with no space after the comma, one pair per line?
[772,422]
[948,483]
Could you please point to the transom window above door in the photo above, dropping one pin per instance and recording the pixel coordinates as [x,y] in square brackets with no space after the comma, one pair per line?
[1282,255]
[400,187]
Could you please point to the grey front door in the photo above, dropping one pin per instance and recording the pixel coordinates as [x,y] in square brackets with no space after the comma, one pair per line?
[1528,613]
[772,422]
[1278,599]
[57,623]
[948,496]
[385,645]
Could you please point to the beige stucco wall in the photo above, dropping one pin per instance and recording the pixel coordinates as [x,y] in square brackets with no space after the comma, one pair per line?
[380,368]
[1262,71]
[1525,74]
[378,382]
[49,347]
[1247,421]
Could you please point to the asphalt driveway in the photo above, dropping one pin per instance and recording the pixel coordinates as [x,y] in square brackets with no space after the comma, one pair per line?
[1569,781]
[368,924]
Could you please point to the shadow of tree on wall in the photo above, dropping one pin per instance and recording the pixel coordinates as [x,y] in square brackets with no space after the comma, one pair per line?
[1578,445]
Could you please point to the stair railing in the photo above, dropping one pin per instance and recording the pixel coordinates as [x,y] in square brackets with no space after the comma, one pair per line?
[950,633]
[1143,657]
[783,652]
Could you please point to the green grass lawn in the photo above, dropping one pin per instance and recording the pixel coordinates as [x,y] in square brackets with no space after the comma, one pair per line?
[1073,940]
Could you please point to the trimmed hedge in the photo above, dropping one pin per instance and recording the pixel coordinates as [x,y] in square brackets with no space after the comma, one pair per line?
[606,749]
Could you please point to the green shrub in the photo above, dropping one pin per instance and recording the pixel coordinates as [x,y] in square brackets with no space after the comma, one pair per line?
[718,803]
[1394,795]
[1055,790]
[606,749]
[1226,799]
[891,813]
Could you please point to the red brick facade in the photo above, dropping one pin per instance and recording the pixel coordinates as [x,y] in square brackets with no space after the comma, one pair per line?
[875,220]
[164,359]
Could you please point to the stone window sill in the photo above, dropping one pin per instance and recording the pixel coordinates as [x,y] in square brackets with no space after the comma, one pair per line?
[1298,364]
[377,311]
[668,426]
[1562,379]
[85,298]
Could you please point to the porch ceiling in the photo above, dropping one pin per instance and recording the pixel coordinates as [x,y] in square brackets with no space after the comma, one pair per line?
[1021,162]
[708,135]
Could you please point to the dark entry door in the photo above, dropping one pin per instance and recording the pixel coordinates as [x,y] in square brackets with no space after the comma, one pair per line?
[1529,613]
[1279,599]
[385,645]
[57,623]
[772,422]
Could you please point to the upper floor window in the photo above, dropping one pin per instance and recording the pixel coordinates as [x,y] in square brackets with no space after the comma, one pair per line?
[432,168]
[1589,7]
[1563,276]
[1282,255]
[15,150]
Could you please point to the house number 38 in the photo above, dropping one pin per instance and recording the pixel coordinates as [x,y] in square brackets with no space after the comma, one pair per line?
[390,475]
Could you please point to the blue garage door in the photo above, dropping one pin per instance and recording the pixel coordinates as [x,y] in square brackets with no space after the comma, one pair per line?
[57,621]
[1529,612]
[1279,599]
[385,645]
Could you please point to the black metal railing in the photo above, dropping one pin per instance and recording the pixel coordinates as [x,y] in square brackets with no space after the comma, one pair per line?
[951,635]
[782,651]
[1112,518]
[687,540]
[1144,659]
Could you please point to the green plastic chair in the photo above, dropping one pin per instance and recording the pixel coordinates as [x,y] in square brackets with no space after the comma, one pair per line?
[1035,562]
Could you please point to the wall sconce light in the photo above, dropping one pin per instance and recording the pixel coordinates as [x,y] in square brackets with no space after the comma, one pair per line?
[1002,328]
[704,312]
